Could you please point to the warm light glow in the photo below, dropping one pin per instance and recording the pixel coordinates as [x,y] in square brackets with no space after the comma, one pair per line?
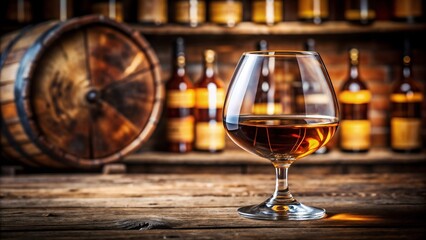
[354,217]
[134,64]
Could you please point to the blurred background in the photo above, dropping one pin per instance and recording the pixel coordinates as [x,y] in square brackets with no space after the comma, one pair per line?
[378,28]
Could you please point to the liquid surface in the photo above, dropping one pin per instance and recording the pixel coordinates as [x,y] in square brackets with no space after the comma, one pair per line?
[281,137]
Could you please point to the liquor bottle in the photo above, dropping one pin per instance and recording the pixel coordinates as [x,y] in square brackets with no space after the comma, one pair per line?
[57,9]
[267,11]
[226,12]
[360,11]
[152,12]
[313,95]
[180,104]
[315,11]
[355,98]
[19,11]
[109,8]
[190,12]
[406,107]
[408,10]
[267,99]
[209,100]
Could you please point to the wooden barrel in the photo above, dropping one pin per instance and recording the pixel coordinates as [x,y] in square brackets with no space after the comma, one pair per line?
[79,93]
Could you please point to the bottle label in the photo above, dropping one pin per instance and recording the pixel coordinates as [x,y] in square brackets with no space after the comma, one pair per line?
[267,108]
[355,134]
[408,8]
[357,14]
[181,99]
[209,136]
[313,8]
[104,9]
[226,12]
[213,98]
[152,11]
[267,12]
[405,133]
[315,98]
[188,12]
[406,98]
[180,129]
[359,97]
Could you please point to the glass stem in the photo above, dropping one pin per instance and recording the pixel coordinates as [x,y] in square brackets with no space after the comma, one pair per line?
[282,195]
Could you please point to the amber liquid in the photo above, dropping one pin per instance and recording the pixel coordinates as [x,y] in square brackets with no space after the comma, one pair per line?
[360,11]
[354,99]
[281,137]
[209,92]
[406,111]
[410,11]
[180,104]
[315,11]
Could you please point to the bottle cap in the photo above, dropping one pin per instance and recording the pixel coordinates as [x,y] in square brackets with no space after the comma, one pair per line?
[407,52]
[354,55]
[179,51]
[262,45]
[209,56]
[179,46]
[310,45]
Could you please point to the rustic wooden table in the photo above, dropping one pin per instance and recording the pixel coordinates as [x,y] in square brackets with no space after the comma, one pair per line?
[203,206]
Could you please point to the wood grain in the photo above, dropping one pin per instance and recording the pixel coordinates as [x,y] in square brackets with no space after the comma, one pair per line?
[56,219]
[227,233]
[111,130]
[58,92]
[359,206]
[239,156]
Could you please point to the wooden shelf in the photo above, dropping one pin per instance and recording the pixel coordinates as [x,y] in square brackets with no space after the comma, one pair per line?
[284,28]
[232,157]
[377,160]
[239,161]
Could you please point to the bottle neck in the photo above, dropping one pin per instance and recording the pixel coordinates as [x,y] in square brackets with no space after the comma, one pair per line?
[406,68]
[179,66]
[354,70]
[265,68]
[354,64]
[209,70]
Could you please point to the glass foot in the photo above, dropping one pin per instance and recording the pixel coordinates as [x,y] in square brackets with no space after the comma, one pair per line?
[292,211]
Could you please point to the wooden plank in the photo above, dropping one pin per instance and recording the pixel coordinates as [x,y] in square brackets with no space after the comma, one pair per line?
[200,181]
[238,156]
[227,233]
[15,56]
[23,201]
[41,219]
[8,73]
[5,40]
[7,92]
[18,132]
[196,205]
[9,112]
[210,190]
[31,35]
